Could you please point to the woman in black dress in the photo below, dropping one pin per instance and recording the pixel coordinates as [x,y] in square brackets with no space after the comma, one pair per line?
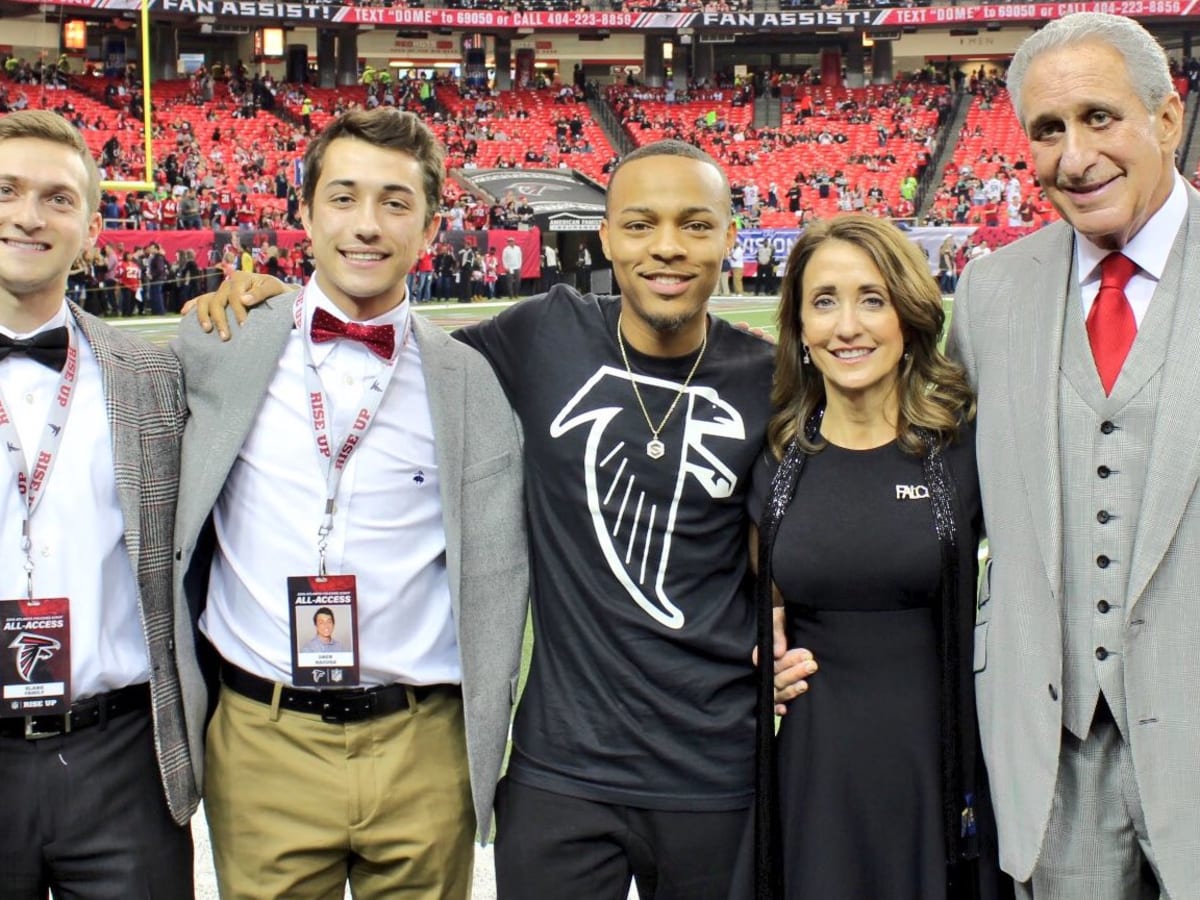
[870,521]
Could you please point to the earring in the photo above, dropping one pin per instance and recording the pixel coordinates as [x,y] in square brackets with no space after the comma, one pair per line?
[908,356]
[804,357]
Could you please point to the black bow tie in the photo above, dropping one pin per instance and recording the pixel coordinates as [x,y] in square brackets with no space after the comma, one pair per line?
[47,347]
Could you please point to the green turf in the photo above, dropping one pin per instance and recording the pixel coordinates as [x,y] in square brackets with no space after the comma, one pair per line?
[757,312]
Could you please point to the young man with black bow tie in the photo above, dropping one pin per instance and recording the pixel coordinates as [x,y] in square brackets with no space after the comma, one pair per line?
[342,453]
[94,758]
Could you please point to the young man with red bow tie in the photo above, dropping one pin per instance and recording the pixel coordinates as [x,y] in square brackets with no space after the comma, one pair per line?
[336,459]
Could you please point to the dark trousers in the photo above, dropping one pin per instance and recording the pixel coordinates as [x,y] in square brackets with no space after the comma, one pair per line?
[554,847]
[93,300]
[443,287]
[110,295]
[84,815]
[764,281]
[155,290]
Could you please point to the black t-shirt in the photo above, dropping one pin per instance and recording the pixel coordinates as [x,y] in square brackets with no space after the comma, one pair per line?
[641,690]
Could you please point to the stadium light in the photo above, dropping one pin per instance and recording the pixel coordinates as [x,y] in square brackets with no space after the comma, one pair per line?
[75,34]
[147,136]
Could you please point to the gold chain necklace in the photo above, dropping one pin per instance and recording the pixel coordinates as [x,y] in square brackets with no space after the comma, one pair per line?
[655,449]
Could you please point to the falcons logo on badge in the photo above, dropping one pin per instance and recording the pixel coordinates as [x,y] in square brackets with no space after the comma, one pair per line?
[633,530]
[31,650]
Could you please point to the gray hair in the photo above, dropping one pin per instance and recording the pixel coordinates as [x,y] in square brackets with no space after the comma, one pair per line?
[1145,59]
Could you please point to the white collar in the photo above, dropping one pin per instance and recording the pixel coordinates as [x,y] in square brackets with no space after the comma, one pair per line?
[1149,248]
[59,318]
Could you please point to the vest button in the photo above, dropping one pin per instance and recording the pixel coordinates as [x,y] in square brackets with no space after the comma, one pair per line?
[1102,561]
[1102,517]
[1101,654]
[1103,606]
[1107,427]
[1104,471]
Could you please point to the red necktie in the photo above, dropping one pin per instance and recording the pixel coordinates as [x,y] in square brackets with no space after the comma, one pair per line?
[1111,326]
[379,339]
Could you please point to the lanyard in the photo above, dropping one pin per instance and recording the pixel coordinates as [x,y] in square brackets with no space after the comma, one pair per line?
[318,408]
[32,486]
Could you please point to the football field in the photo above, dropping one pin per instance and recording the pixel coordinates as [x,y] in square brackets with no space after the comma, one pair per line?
[757,312]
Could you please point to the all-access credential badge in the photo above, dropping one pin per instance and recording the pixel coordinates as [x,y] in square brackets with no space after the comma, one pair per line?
[35,657]
[324,630]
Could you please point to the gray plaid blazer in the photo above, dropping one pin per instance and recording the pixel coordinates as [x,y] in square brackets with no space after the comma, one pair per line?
[143,398]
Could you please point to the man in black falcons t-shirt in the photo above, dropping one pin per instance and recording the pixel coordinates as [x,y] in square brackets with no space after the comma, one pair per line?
[634,741]
[633,746]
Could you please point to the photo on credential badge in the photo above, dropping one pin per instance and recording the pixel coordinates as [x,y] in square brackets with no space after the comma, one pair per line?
[324,630]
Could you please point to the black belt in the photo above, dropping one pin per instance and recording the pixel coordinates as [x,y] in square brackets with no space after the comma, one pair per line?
[334,706]
[83,714]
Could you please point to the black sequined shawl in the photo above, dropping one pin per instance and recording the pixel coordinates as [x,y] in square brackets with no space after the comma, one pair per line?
[958,537]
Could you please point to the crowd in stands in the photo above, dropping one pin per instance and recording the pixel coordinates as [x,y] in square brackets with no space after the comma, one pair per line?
[836,149]
[227,148]
[988,181]
[526,127]
[116,280]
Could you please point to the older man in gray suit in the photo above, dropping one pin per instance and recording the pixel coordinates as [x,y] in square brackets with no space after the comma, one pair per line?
[343,453]
[1082,342]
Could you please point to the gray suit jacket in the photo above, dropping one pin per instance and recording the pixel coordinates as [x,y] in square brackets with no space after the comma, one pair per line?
[1007,329]
[144,404]
[479,458]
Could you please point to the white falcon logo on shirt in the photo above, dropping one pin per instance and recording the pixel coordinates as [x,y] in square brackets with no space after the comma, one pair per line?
[625,486]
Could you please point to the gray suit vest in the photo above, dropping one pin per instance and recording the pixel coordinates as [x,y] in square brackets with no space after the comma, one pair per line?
[1106,450]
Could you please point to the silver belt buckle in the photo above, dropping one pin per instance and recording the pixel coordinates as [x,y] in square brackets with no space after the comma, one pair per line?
[32,735]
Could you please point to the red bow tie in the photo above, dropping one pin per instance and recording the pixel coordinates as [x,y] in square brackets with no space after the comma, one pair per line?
[379,339]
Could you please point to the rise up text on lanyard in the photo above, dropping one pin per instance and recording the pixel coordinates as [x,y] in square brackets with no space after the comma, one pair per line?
[334,593]
[35,650]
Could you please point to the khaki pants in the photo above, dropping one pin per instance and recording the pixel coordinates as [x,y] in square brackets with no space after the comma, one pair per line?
[738,287]
[296,805]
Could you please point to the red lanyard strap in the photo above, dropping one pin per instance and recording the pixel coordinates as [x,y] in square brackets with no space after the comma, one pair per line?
[318,408]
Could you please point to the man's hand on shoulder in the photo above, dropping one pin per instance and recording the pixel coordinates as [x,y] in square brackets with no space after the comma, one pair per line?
[757,332]
[792,667]
[240,292]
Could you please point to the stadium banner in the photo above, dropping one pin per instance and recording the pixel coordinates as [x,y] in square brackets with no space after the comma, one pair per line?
[209,245]
[582,20]
[203,242]
[929,239]
[781,241]
[562,200]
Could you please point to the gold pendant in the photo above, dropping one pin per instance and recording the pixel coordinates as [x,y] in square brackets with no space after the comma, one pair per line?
[655,449]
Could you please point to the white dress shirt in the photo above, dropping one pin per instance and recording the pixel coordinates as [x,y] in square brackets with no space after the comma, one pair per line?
[512,258]
[78,530]
[387,531]
[1149,249]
